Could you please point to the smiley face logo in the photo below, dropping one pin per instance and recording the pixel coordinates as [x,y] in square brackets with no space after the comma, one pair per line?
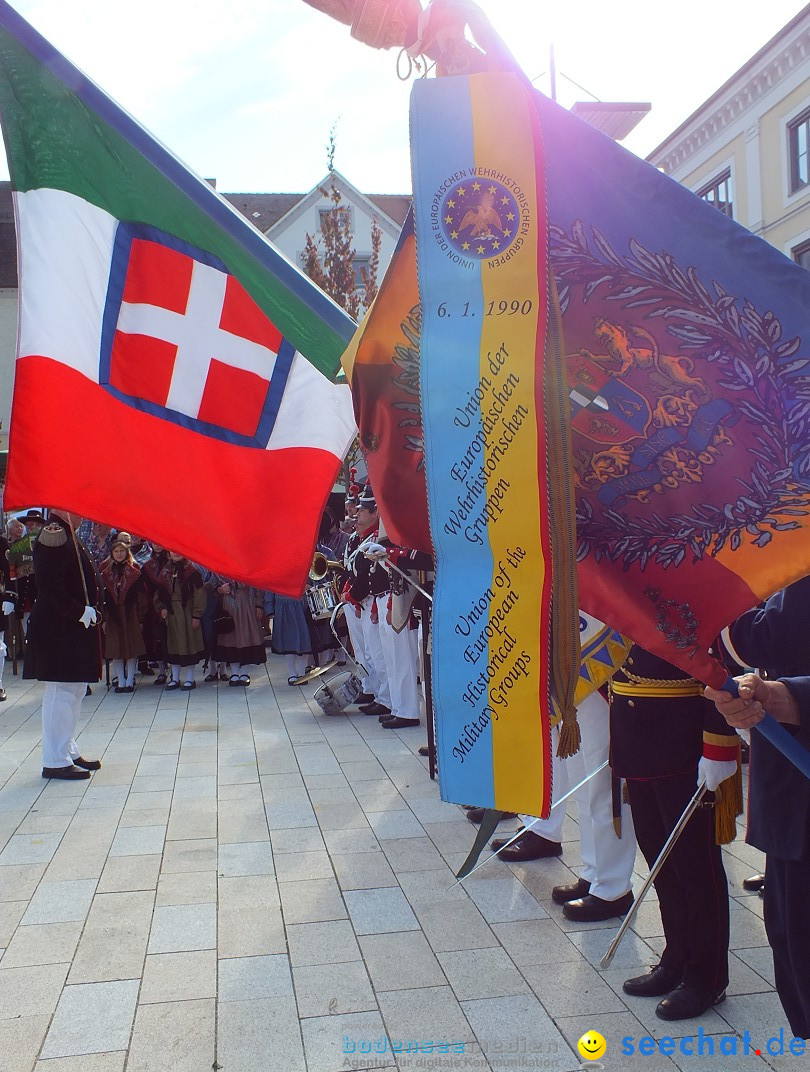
[592,1046]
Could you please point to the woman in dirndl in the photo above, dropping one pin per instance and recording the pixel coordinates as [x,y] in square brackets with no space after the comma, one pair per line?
[242,643]
[180,601]
[124,611]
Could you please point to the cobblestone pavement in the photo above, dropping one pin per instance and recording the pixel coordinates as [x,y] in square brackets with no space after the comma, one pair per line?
[250,885]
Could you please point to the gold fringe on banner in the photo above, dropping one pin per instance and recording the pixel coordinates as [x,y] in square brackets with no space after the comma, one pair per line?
[566,656]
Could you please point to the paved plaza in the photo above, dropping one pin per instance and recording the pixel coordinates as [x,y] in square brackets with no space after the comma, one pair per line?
[252,886]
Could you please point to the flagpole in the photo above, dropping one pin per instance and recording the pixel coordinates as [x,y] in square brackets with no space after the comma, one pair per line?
[778,736]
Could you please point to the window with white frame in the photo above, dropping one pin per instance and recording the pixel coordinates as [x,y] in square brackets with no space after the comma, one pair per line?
[718,193]
[799,151]
[801,254]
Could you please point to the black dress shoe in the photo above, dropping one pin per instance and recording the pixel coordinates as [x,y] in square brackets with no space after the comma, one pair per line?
[424,750]
[754,883]
[87,764]
[529,846]
[68,773]
[375,709]
[364,698]
[658,981]
[563,894]
[685,1002]
[590,909]
[476,815]
[399,723]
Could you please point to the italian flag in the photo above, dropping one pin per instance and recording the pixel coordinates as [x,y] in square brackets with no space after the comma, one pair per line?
[174,371]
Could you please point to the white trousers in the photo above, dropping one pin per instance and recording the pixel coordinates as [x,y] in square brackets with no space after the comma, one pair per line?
[355,627]
[374,650]
[401,654]
[61,705]
[607,861]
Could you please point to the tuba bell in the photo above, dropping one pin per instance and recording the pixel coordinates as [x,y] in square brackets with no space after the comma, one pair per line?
[321,566]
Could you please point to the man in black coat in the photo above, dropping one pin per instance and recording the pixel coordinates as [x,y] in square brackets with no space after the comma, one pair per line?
[776,638]
[64,643]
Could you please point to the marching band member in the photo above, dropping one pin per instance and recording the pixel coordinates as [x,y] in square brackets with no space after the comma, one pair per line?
[368,580]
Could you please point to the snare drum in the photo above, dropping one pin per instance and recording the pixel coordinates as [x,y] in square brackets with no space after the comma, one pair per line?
[338,693]
[322,599]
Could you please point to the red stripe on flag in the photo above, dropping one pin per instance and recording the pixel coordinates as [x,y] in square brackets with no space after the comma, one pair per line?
[75,446]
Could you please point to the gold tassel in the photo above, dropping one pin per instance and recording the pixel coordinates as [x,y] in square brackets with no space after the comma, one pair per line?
[570,737]
[728,805]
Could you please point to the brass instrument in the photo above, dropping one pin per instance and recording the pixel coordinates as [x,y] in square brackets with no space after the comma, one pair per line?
[321,566]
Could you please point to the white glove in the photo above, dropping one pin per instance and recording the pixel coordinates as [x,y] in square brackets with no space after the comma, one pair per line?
[89,617]
[715,771]
[375,551]
[8,607]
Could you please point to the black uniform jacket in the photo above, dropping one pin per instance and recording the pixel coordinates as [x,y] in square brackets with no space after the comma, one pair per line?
[656,736]
[58,647]
[775,638]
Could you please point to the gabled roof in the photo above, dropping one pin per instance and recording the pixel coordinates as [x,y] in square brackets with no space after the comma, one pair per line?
[382,205]
[265,210]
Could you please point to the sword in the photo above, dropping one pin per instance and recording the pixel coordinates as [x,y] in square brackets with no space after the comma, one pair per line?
[689,810]
[519,833]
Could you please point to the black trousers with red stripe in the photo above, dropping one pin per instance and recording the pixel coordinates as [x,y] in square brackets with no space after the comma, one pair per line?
[691,886]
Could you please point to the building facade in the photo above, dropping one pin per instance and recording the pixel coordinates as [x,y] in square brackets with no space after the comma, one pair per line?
[747,148]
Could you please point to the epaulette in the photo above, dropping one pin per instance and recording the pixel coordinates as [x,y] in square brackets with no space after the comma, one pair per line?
[52,535]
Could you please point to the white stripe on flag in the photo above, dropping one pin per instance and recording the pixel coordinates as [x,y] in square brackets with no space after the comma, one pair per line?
[66,251]
[65,254]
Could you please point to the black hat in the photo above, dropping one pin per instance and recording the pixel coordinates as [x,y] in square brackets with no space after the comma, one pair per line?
[367,498]
[32,516]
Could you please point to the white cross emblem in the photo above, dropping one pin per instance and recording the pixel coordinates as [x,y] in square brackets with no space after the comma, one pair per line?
[198,337]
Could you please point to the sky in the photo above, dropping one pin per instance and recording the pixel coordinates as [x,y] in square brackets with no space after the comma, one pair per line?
[246,92]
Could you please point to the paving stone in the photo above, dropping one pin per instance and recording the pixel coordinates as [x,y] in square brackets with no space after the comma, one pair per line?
[333,989]
[331,1041]
[181,928]
[254,978]
[113,943]
[482,973]
[60,902]
[138,841]
[88,1062]
[125,873]
[30,991]
[47,943]
[192,887]
[322,943]
[20,1041]
[92,1018]
[175,1036]
[312,902]
[179,977]
[400,961]
[381,910]
[249,1031]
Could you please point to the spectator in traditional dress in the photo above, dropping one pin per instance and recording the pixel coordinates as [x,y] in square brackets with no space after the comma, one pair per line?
[124,611]
[182,612]
[241,644]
